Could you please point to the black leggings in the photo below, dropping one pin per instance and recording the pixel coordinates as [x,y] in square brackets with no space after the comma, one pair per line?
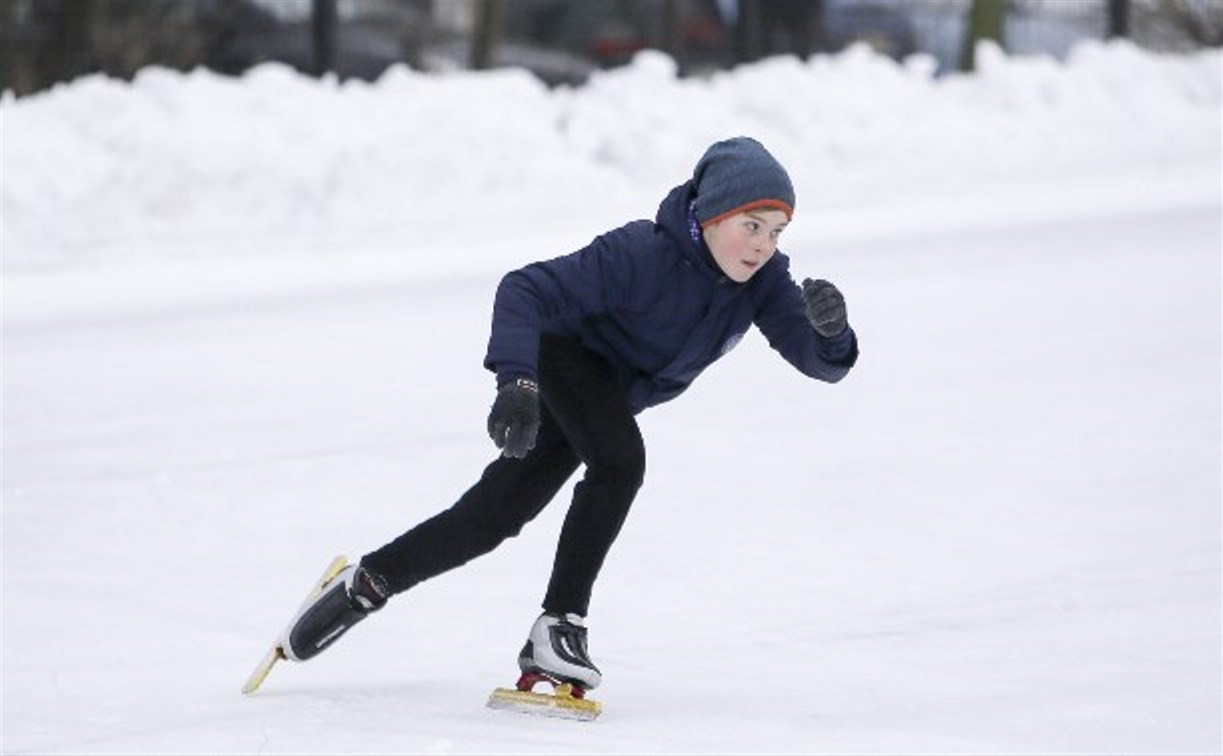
[584,420]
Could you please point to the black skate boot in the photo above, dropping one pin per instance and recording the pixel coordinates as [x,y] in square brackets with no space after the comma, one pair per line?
[345,600]
[556,651]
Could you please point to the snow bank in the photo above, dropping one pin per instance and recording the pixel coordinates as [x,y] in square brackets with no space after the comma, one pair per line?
[199,164]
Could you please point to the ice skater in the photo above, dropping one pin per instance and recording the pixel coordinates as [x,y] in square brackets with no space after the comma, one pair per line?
[580,345]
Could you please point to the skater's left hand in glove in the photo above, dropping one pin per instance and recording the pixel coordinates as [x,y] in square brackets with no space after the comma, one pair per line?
[514,420]
[825,308]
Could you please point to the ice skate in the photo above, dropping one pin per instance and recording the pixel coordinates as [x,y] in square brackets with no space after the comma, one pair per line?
[342,597]
[345,600]
[555,653]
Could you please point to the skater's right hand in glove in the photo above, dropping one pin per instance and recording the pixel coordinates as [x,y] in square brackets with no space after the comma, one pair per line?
[514,420]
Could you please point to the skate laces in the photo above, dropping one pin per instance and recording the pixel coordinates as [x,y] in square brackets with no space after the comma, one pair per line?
[568,635]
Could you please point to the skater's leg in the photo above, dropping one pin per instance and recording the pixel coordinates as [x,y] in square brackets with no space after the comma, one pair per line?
[510,493]
[590,408]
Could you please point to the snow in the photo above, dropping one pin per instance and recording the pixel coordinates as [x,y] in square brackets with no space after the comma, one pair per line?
[242,332]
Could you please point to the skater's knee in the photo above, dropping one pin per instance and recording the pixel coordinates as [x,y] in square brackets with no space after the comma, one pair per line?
[510,528]
[492,518]
[622,465]
[495,525]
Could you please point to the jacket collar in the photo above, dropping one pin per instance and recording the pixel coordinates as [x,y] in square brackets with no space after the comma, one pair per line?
[676,218]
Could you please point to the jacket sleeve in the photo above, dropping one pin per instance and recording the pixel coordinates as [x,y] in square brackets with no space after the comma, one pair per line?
[592,280]
[782,318]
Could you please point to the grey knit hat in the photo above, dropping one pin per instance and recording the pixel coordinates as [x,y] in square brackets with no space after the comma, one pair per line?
[736,175]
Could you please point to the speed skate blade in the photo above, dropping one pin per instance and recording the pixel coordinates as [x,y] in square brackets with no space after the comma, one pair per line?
[261,672]
[560,705]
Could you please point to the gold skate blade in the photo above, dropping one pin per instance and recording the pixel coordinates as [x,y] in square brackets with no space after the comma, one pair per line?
[561,704]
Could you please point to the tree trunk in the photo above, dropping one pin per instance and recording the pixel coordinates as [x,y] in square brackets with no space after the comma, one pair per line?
[749,32]
[986,20]
[323,27]
[1118,18]
[68,51]
[671,37]
[488,29]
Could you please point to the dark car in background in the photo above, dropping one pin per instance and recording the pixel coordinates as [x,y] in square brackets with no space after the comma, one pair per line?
[705,34]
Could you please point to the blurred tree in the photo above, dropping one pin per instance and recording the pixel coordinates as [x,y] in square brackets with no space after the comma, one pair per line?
[749,30]
[793,26]
[666,30]
[772,27]
[1118,18]
[986,20]
[487,31]
[1176,25]
[1200,21]
[47,41]
[323,20]
[221,27]
[66,50]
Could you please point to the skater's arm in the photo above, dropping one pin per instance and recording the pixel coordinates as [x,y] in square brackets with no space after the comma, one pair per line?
[782,318]
[593,280]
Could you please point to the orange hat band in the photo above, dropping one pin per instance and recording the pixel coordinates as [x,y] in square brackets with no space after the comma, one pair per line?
[770,204]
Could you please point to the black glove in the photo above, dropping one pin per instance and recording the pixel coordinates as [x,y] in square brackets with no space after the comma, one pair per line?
[825,308]
[514,419]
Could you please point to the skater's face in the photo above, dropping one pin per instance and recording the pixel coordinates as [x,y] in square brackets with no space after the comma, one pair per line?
[743,243]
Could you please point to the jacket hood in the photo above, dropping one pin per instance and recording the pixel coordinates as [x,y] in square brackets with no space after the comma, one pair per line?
[674,215]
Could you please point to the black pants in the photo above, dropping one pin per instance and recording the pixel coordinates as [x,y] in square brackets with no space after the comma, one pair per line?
[584,420]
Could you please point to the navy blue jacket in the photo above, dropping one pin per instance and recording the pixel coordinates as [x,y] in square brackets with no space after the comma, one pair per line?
[652,301]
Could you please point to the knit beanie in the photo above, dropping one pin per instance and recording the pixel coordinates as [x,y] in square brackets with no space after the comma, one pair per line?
[737,175]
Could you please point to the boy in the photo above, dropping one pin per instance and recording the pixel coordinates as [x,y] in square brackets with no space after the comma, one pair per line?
[580,345]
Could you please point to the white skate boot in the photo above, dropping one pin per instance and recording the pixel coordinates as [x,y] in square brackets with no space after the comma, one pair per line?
[555,653]
[556,649]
